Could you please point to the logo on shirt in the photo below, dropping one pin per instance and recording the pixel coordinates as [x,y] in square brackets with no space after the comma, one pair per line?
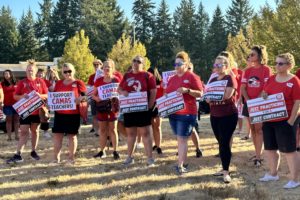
[289,85]
[136,84]
[186,81]
[74,85]
[254,82]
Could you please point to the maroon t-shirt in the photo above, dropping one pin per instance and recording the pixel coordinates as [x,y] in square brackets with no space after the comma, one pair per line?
[225,107]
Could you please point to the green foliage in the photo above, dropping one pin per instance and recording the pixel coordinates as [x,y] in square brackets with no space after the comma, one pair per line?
[238,16]
[77,52]
[124,51]
[8,36]
[28,44]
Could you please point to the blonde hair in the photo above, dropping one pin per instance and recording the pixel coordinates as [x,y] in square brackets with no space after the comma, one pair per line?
[226,62]
[289,58]
[98,61]
[262,53]
[71,67]
[51,71]
[230,57]
[111,63]
[184,56]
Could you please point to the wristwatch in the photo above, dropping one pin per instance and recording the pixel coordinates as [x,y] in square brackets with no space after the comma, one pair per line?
[188,91]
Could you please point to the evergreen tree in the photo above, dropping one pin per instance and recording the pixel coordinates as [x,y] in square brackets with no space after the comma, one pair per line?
[216,37]
[64,23]
[143,22]
[103,26]
[161,48]
[185,25]
[238,16]
[28,44]
[42,28]
[8,36]
[77,52]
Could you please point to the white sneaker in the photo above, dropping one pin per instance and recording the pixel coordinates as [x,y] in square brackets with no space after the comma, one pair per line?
[47,135]
[267,177]
[139,145]
[226,178]
[291,185]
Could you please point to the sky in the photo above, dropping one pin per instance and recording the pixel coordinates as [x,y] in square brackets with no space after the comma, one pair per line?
[19,6]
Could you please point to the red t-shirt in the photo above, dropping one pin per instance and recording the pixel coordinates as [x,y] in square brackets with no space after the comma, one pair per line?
[9,92]
[111,115]
[26,86]
[187,80]
[159,90]
[77,87]
[290,90]
[255,79]
[238,76]
[91,79]
[48,84]
[118,75]
[298,73]
[139,82]
[225,107]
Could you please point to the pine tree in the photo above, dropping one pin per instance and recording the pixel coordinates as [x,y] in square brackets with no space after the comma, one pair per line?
[238,16]
[77,52]
[103,26]
[28,44]
[8,36]
[42,28]
[143,16]
[124,51]
[161,47]
[216,38]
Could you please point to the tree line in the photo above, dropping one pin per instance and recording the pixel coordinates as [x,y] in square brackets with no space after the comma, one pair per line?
[157,32]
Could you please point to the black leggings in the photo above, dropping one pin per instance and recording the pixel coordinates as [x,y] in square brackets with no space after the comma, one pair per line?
[223,128]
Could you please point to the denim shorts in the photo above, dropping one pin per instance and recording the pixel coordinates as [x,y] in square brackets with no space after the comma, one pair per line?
[182,125]
[9,111]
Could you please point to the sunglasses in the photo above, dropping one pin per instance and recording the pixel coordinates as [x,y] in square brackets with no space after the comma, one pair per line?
[137,61]
[252,55]
[280,63]
[218,65]
[179,64]
[68,72]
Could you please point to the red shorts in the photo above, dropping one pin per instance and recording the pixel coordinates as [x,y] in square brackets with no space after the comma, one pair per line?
[111,116]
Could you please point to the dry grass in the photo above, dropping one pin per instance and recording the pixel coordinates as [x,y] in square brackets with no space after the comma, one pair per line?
[107,179]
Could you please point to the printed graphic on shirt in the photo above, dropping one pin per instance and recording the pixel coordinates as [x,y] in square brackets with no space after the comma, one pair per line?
[254,82]
[136,84]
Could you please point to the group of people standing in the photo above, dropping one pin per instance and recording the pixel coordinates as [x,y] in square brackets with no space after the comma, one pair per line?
[256,80]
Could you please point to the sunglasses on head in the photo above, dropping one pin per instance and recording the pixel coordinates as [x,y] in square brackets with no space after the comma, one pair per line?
[68,72]
[218,65]
[280,63]
[137,61]
[179,64]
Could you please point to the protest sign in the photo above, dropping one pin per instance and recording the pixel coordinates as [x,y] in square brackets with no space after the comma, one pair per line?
[170,103]
[215,91]
[61,101]
[108,91]
[166,76]
[134,102]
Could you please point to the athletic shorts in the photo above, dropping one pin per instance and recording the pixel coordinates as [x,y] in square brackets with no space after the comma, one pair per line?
[31,119]
[137,119]
[66,123]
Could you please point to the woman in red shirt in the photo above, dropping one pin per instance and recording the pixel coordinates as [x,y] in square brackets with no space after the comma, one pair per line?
[224,115]
[280,134]
[24,87]
[156,120]
[68,121]
[183,121]
[107,120]
[253,83]
[138,80]
[9,87]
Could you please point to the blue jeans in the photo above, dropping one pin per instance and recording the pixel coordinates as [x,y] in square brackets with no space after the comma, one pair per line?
[182,125]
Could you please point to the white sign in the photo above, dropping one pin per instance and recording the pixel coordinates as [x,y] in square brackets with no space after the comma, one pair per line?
[215,91]
[108,91]
[170,103]
[134,102]
[61,101]
[98,74]
[166,77]
[90,91]
[262,110]
[25,106]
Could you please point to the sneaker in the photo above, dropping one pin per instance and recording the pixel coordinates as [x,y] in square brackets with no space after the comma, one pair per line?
[158,150]
[150,162]
[34,155]
[92,130]
[291,185]
[181,170]
[116,155]
[226,178]
[257,162]
[128,161]
[139,145]
[15,159]
[154,148]
[47,135]
[198,153]
[267,177]
[101,154]
[96,134]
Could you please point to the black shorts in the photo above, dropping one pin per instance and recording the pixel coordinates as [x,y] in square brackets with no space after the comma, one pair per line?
[154,113]
[93,107]
[31,119]
[65,123]
[279,136]
[137,119]
[245,111]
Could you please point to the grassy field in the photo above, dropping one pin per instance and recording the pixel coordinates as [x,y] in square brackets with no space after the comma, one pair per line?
[93,178]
